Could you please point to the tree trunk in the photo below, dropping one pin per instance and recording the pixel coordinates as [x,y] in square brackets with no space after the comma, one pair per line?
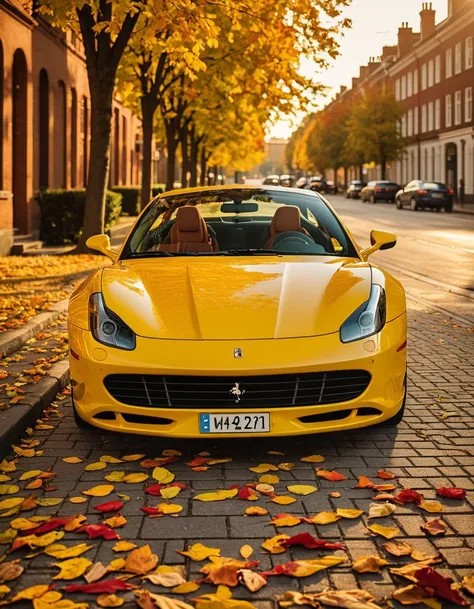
[194,160]
[383,167]
[172,146]
[345,178]
[202,178]
[99,164]
[185,157]
[148,112]
[361,173]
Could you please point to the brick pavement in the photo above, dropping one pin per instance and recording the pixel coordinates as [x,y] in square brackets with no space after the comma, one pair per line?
[427,451]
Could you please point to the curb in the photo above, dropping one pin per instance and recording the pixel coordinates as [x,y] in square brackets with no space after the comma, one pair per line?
[16,419]
[12,340]
[67,277]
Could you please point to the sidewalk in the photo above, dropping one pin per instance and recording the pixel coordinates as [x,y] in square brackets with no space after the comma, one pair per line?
[466,208]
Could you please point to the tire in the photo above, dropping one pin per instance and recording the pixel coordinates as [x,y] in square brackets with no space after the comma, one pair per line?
[449,208]
[77,419]
[396,419]
[438,209]
[413,205]
[372,199]
[399,203]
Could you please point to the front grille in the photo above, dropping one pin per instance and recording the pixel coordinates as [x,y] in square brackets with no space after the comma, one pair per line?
[206,392]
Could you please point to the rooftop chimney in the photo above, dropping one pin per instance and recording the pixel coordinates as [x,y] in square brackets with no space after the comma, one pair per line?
[405,39]
[343,89]
[355,82]
[374,63]
[363,72]
[388,52]
[427,20]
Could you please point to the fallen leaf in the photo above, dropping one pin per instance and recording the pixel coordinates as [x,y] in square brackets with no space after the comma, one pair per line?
[123,546]
[37,542]
[335,494]
[7,504]
[428,577]
[109,459]
[379,510]
[333,476]
[313,459]
[30,593]
[114,476]
[75,522]
[387,532]
[10,571]
[72,568]
[304,568]
[60,551]
[94,531]
[186,588]
[4,590]
[302,489]
[434,527]
[30,474]
[109,600]
[256,510]
[251,580]
[170,579]
[99,491]
[141,560]
[263,468]
[323,518]
[163,475]
[9,489]
[285,520]
[273,545]
[451,493]
[308,541]
[72,460]
[265,489]
[110,506]
[93,467]
[115,521]
[96,572]
[170,508]
[269,479]
[410,595]
[200,552]
[219,495]
[398,548]
[7,536]
[135,478]
[352,599]
[108,587]
[246,551]
[48,501]
[170,491]
[132,457]
[78,499]
[286,467]
[283,500]
[431,506]
[385,475]
[468,584]
[364,482]
[408,495]
[349,513]
[408,571]
[368,564]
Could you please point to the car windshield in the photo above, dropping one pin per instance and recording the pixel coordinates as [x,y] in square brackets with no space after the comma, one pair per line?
[238,222]
[434,186]
[387,184]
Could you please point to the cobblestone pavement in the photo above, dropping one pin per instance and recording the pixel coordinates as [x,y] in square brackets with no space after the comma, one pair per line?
[433,447]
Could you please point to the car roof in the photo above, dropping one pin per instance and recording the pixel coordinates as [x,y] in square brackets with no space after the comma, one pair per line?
[196,189]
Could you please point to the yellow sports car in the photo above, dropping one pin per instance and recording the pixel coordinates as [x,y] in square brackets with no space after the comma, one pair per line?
[238,310]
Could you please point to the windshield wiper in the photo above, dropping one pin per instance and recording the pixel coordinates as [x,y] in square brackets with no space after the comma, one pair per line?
[251,252]
[157,253]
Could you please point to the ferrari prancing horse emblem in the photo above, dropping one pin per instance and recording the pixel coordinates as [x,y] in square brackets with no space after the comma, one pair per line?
[237,392]
[238,352]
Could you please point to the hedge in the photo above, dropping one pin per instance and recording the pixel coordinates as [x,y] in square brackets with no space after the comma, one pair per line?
[62,212]
[131,197]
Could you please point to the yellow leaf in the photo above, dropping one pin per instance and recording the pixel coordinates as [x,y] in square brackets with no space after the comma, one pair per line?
[275,452]
[109,459]
[123,546]
[48,501]
[287,467]
[132,457]
[4,590]
[199,552]
[186,588]
[171,452]
[31,474]
[7,536]
[263,468]
[273,546]
[286,520]
[262,488]
[170,492]
[387,532]
[117,564]
[217,495]
[269,479]
[163,475]
[4,478]
[369,564]
[324,518]
[379,510]
[9,489]
[115,521]
[7,466]
[304,568]
[72,568]
[75,522]
[313,459]
[431,506]
[109,600]
[30,593]
[115,476]
[99,491]
[61,551]
[348,513]
[256,510]
[246,551]
[302,489]
[23,524]
[283,500]
[78,499]
[24,452]
[170,508]
[135,478]
[7,504]
[72,460]
[93,467]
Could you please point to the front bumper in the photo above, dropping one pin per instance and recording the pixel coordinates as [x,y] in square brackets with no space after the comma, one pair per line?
[383,355]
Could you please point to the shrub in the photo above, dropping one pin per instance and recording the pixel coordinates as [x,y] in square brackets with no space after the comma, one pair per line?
[130,199]
[62,212]
[157,189]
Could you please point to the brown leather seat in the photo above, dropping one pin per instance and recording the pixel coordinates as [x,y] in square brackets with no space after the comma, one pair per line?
[189,233]
[286,219]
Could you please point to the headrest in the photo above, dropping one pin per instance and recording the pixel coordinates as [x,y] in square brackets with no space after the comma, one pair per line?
[188,219]
[286,218]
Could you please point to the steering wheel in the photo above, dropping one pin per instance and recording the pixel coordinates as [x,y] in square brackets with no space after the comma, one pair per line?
[294,241]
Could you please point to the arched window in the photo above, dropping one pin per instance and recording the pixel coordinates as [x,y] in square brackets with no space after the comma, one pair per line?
[43,129]
[73,138]
[19,141]
[60,128]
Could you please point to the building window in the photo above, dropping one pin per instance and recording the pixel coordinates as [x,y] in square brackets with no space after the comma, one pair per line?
[430,116]
[415,82]
[404,125]
[397,89]
[469,53]
[438,114]
[438,69]
[430,73]
[457,108]
[409,84]
[423,77]
[448,120]
[458,59]
[410,122]
[449,63]
[423,118]
[468,105]
[415,121]
[404,87]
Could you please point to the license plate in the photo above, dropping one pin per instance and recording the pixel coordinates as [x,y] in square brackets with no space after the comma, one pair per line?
[249,422]
[436,195]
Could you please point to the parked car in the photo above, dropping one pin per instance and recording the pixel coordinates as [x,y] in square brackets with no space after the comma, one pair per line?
[318,184]
[379,190]
[331,187]
[301,182]
[202,275]
[420,195]
[272,180]
[354,188]
[287,180]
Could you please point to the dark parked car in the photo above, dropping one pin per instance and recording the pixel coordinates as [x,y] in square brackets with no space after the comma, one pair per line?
[272,180]
[331,187]
[379,190]
[354,188]
[419,195]
[318,184]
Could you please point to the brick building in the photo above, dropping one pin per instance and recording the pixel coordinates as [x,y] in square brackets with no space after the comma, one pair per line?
[432,73]
[45,120]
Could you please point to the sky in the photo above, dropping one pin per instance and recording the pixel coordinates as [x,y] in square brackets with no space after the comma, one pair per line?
[375,24]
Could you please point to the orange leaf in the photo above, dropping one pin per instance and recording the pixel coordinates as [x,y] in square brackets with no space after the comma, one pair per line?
[369,564]
[273,546]
[141,560]
[256,510]
[385,475]
[333,476]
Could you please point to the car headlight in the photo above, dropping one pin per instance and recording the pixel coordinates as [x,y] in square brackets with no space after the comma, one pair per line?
[368,319]
[107,327]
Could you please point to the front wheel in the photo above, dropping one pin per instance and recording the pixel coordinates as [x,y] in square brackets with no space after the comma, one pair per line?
[399,203]
[372,199]
[413,205]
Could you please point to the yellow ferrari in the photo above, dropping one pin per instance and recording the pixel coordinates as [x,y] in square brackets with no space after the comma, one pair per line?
[238,310]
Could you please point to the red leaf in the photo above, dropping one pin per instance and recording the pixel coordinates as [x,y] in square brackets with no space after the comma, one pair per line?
[246,492]
[408,495]
[150,463]
[198,461]
[285,569]
[442,585]
[98,530]
[151,511]
[154,489]
[451,493]
[110,506]
[108,587]
[308,541]
[52,524]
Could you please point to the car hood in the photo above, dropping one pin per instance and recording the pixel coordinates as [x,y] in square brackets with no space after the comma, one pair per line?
[222,298]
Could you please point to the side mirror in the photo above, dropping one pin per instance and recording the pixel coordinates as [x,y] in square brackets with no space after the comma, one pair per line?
[380,240]
[101,243]
[336,245]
